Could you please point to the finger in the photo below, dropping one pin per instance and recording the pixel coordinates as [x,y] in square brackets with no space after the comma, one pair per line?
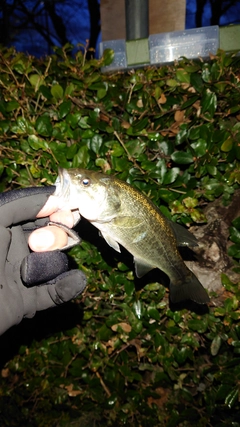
[62,289]
[38,268]
[21,205]
[51,209]
[50,206]
[47,239]
[64,217]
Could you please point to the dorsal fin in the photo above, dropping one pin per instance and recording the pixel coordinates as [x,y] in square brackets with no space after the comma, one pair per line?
[183,236]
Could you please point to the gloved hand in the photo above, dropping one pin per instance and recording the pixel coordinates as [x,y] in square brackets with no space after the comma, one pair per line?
[30,282]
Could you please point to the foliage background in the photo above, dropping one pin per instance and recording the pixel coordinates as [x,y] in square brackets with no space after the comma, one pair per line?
[121,355]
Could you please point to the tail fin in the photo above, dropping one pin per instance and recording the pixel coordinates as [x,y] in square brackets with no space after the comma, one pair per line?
[189,289]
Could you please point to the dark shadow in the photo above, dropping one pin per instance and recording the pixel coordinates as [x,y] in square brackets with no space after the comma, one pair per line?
[92,235]
[152,277]
[94,13]
[44,324]
[190,306]
[187,253]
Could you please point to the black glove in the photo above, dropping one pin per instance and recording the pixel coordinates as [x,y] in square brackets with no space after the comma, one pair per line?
[20,269]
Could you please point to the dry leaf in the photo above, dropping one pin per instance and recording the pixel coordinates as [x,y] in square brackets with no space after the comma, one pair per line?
[179,115]
[162,99]
[5,373]
[71,392]
[124,326]
[163,397]
[125,125]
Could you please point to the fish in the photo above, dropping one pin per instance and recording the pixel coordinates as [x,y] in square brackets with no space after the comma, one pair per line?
[126,217]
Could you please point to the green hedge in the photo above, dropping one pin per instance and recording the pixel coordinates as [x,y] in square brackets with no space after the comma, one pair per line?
[121,355]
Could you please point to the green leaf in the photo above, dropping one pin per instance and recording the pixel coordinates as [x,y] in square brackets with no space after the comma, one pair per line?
[153,313]
[171,82]
[171,176]
[64,109]
[181,136]
[116,149]
[236,223]
[36,80]
[234,251]
[96,143]
[182,158]
[232,397]
[73,119]
[43,126]
[104,333]
[4,126]
[20,67]
[45,92]
[182,354]
[102,90]
[209,103]
[227,145]
[22,126]
[234,235]
[200,325]
[129,288]
[70,89]
[82,158]
[196,81]
[71,151]
[108,56]
[199,147]
[57,91]
[83,123]
[190,202]
[231,303]
[206,73]
[36,143]
[138,126]
[183,76]
[189,102]
[215,345]
[12,105]
[138,309]
[212,170]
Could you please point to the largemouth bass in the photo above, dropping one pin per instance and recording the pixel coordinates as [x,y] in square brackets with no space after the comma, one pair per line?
[126,217]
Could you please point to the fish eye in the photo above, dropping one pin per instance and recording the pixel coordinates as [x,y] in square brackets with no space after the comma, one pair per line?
[85,182]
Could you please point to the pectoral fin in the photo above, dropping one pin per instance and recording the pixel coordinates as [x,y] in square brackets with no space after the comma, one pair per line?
[141,268]
[111,242]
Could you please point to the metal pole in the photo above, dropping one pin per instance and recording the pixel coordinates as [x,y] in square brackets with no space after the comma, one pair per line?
[136,12]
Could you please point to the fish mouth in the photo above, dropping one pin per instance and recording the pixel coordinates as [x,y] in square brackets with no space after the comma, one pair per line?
[62,185]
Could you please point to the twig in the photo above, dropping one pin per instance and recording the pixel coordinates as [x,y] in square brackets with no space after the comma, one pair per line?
[130,158]
[103,385]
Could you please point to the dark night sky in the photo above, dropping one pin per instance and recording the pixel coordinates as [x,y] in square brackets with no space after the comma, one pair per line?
[76,19]
[232,16]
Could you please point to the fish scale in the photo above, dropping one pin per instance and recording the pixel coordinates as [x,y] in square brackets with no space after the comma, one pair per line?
[154,225]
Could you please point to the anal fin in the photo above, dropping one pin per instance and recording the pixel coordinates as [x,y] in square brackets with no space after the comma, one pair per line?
[141,268]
